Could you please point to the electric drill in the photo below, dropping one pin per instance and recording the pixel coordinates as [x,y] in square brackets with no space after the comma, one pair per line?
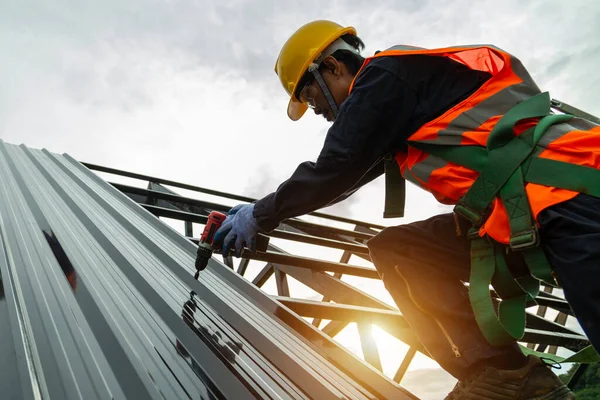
[205,246]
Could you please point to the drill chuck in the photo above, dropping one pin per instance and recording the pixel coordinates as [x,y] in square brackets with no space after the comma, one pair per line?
[202,256]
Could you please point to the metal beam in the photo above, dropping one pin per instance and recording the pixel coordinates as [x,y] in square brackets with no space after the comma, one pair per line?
[175,214]
[298,237]
[264,275]
[337,290]
[173,198]
[318,241]
[560,319]
[369,346]
[317,321]
[231,196]
[410,355]
[556,304]
[342,293]
[326,233]
[243,266]
[345,312]
[283,288]
[569,109]
[535,322]
[343,260]
[541,312]
[335,327]
[316,229]
[568,341]
[311,263]
[169,199]
[188,225]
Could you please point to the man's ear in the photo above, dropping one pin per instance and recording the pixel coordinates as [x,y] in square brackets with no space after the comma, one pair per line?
[333,66]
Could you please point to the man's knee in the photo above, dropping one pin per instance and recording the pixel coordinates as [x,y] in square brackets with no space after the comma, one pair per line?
[387,246]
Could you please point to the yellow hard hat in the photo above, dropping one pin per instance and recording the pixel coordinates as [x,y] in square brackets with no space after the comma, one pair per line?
[299,51]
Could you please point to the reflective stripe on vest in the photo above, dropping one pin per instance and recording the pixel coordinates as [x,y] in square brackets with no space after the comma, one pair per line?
[470,123]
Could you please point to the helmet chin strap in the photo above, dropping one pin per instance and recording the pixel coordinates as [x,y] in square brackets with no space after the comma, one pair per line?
[314,69]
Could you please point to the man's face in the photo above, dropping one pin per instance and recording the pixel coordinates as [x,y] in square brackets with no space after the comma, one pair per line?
[338,80]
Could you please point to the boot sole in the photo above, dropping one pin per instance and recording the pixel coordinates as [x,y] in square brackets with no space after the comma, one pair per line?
[561,393]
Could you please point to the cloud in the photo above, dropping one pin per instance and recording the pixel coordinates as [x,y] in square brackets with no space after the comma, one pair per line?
[262,183]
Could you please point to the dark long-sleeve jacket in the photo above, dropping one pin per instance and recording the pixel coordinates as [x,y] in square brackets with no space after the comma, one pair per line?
[392,97]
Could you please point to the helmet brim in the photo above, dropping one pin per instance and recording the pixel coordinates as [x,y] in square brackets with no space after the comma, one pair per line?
[296,109]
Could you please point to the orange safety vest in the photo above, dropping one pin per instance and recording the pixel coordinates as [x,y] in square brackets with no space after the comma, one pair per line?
[470,122]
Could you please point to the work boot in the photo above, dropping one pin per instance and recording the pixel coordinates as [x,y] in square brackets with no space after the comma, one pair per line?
[534,381]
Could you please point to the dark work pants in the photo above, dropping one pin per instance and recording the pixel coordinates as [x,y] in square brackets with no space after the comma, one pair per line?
[424,264]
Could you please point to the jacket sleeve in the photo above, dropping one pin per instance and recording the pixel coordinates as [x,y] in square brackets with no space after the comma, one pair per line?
[371,175]
[371,121]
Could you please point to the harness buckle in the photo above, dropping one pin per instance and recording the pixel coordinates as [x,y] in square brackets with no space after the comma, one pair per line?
[525,239]
[473,216]
[473,233]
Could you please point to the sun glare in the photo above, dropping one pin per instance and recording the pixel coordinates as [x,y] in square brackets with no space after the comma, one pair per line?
[391,350]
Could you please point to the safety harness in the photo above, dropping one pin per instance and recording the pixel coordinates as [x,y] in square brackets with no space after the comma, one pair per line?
[505,165]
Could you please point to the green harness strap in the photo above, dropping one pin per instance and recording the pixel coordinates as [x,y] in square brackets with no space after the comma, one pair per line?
[505,165]
[395,189]
[587,355]
[503,176]
[564,175]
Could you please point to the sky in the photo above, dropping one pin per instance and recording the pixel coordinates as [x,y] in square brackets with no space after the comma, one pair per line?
[186,90]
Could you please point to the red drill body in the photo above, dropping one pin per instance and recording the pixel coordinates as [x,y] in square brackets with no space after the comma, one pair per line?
[205,246]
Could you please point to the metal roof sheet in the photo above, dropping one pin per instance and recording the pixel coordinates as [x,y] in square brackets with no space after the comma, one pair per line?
[98,301]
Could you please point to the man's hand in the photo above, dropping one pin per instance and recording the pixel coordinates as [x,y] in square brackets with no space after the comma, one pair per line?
[240,227]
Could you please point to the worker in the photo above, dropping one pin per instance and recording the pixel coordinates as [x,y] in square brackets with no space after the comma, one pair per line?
[449,120]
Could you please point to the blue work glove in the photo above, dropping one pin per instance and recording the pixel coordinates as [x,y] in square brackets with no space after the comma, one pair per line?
[240,227]
[224,229]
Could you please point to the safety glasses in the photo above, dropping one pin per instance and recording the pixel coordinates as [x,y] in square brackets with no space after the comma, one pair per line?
[308,94]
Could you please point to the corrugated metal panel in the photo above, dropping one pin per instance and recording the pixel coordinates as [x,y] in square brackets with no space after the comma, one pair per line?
[94,289]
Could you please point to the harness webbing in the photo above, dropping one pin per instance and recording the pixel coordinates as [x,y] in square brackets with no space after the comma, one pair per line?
[395,189]
[506,164]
